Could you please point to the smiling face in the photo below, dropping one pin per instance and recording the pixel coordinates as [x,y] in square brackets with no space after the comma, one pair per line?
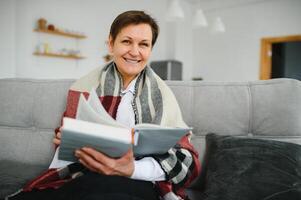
[131,50]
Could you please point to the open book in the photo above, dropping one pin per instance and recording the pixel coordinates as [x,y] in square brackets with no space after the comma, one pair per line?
[94,127]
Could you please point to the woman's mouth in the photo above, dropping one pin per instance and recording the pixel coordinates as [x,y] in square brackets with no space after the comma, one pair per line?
[132,61]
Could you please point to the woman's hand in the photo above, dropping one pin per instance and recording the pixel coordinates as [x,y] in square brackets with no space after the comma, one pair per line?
[57,138]
[99,162]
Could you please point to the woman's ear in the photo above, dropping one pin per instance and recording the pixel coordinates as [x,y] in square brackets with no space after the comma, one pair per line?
[110,44]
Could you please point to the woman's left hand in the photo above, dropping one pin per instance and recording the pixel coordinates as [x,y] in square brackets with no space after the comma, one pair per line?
[99,162]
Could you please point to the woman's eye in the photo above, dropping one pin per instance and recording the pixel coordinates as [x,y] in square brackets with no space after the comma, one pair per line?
[126,42]
[144,44]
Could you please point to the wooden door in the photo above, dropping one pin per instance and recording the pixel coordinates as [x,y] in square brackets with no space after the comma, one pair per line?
[266,53]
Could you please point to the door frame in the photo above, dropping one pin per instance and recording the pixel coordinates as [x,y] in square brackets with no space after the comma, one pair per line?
[266,53]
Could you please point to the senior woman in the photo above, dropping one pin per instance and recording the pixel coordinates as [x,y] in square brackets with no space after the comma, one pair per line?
[131,93]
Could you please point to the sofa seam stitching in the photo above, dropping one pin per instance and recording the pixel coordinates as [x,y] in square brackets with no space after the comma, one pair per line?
[250,127]
[192,91]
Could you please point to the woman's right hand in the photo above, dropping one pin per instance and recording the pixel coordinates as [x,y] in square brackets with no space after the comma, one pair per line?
[57,138]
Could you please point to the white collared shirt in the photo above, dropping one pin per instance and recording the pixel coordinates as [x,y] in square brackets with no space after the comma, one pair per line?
[147,168]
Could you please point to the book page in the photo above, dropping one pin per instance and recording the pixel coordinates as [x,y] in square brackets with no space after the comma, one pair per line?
[95,103]
[98,130]
[148,125]
[86,112]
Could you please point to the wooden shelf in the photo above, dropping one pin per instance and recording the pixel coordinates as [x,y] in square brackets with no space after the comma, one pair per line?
[61,33]
[58,55]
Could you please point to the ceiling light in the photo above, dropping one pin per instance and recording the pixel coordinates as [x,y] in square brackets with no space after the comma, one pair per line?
[200,19]
[218,26]
[174,11]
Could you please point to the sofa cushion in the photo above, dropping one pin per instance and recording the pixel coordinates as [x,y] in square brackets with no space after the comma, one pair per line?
[276,108]
[30,103]
[244,168]
[15,174]
[32,146]
[221,108]
[263,108]
[17,102]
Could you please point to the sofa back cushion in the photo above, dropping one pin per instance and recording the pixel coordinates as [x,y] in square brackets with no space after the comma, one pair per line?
[267,108]
[30,111]
[276,108]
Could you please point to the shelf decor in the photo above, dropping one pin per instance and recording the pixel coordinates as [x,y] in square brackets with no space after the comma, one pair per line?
[44,48]
[61,33]
[58,55]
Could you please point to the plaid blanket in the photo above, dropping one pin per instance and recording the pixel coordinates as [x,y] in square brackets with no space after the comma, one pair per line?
[155,103]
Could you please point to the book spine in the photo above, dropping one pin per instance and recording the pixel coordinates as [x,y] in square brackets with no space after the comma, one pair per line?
[133,136]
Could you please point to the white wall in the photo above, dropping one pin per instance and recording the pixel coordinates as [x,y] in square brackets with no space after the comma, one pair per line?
[235,55]
[7,38]
[93,17]
[232,56]
[179,41]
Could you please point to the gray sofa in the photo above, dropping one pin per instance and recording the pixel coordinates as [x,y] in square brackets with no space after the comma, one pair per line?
[31,109]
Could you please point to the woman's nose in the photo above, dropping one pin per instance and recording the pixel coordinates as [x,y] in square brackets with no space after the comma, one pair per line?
[134,51]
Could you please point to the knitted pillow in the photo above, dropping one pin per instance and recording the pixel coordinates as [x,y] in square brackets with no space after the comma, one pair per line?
[248,169]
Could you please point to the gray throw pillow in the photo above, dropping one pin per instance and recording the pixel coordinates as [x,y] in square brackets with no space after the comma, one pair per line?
[251,169]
